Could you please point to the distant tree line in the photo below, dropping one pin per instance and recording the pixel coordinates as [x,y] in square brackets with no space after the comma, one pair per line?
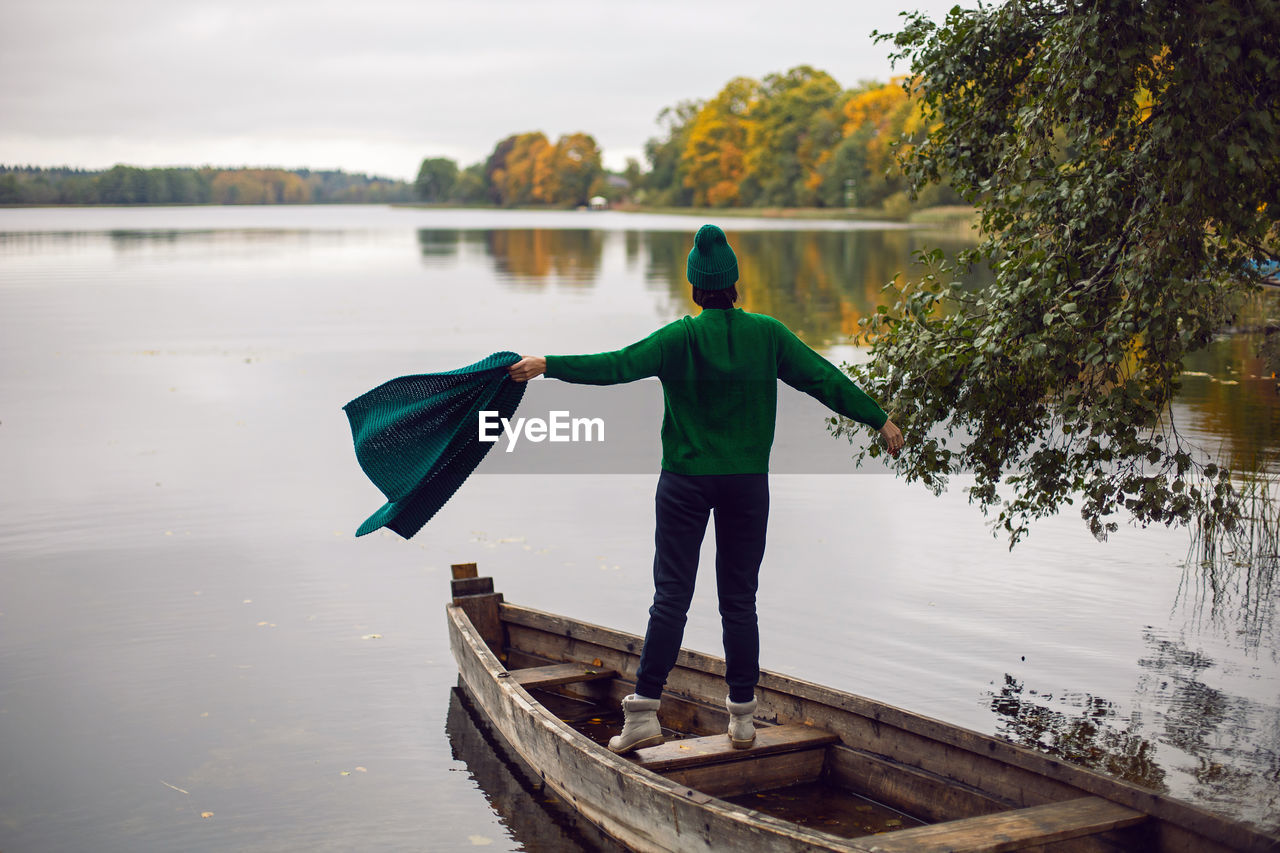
[793,139]
[796,139]
[131,185]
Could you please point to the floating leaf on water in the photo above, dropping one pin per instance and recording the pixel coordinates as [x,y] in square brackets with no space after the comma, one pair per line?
[372,637]
[893,822]
[362,769]
[344,772]
[479,840]
[206,815]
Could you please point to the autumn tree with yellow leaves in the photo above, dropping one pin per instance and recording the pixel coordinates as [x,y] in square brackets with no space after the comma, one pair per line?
[714,159]
[526,169]
[793,139]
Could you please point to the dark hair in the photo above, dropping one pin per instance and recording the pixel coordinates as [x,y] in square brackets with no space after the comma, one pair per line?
[715,298]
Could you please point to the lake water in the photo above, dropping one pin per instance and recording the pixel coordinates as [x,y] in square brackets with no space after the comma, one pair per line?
[196,653]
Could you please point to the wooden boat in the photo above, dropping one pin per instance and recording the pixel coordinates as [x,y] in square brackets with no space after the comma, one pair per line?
[549,686]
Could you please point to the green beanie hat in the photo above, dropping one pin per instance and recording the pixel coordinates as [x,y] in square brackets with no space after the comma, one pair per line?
[712,263]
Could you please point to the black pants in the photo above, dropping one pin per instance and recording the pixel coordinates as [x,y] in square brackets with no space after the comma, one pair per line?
[682,505]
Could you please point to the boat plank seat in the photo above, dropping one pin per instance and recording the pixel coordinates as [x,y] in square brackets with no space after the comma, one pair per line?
[716,749]
[559,673]
[1011,830]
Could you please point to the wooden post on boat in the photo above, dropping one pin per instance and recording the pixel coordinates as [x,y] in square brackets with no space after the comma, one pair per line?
[477,599]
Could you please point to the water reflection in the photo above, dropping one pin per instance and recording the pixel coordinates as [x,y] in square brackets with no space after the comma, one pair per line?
[334,299]
[1229,582]
[1184,735]
[1230,743]
[819,283]
[1229,407]
[1233,403]
[534,817]
[523,255]
[1082,731]
[439,244]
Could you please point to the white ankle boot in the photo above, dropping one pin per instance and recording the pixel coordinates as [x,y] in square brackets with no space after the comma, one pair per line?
[640,725]
[742,730]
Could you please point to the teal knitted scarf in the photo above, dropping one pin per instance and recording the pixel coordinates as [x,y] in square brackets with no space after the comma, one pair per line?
[417,437]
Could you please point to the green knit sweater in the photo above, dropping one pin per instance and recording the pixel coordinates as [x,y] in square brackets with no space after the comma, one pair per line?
[719,373]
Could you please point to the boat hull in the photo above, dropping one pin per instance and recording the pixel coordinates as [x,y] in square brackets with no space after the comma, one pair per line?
[644,811]
[936,771]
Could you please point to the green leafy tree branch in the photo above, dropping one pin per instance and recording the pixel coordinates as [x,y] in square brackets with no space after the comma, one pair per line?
[1124,159]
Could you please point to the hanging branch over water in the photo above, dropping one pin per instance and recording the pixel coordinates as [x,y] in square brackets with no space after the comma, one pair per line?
[1123,157]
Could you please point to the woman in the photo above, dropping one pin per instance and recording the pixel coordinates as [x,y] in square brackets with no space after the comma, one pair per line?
[719,373]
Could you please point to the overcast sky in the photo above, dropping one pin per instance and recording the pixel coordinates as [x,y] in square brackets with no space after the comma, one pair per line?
[377,85]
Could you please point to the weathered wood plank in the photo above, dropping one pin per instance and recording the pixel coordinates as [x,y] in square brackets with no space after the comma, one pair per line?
[717,749]
[999,833]
[482,610]
[734,778]
[463,570]
[924,795]
[470,586]
[560,673]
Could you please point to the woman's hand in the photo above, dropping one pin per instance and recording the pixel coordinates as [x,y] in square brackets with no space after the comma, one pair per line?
[892,437]
[527,367]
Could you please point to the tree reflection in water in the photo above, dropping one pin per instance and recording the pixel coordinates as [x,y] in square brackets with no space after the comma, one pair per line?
[1229,744]
[1083,733]
[439,246]
[820,283]
[1183,736]
[534,255]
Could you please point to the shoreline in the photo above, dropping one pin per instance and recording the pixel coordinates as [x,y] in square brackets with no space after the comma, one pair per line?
[949,216]
[942,216]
